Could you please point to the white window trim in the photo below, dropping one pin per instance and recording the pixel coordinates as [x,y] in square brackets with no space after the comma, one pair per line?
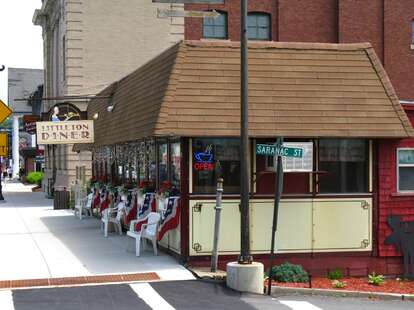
[402,165]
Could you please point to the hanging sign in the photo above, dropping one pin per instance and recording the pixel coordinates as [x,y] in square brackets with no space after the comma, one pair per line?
[29,122]
[65,132]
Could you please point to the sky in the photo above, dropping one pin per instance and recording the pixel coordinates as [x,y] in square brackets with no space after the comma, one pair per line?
[21,43]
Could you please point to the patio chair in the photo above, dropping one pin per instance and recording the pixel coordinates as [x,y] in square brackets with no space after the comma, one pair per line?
[148,230]
[109,215]
[84,204]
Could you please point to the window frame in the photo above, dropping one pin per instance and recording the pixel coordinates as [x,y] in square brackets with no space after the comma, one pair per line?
[226,27]
[368,172]
[257,14]
[398,165]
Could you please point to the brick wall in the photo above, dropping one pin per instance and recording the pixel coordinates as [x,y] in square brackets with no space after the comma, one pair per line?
[361,21]
[380,22]
[308,21]
[399,57]
[193,26]
[389,201]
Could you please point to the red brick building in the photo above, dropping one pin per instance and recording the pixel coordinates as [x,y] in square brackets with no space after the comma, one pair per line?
[389,26]
[386,24]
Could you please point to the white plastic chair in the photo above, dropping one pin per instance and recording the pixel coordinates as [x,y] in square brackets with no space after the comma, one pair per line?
[83,204]
[109,216]
[148,231]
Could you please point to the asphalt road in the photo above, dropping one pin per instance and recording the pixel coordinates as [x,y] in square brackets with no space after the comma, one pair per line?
[192,295]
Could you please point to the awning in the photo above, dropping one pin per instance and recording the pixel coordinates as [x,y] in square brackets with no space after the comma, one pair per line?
[295,90]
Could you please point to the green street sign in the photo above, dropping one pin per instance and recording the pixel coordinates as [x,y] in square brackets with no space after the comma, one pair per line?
[273,150]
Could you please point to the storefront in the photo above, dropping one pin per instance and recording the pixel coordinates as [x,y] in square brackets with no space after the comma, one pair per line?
[177,119]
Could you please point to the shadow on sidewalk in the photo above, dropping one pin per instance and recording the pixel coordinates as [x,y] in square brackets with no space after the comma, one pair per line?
[81,246]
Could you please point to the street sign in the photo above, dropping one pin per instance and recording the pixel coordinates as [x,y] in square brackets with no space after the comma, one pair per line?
[5,111]
[4,144]
[190,1]
[161,13]
[274,150]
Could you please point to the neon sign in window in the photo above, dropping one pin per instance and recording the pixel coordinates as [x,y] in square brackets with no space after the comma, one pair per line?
[204,160]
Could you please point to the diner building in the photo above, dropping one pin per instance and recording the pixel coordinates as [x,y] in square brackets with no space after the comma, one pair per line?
[177,118]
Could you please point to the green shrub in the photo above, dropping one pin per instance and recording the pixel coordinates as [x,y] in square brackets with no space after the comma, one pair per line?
[335,275]
[338,284]
[375,279]
[290,273]
[35,178]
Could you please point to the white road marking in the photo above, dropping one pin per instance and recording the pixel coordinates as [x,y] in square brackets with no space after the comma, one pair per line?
[150,296]
[299,305]
[6,300]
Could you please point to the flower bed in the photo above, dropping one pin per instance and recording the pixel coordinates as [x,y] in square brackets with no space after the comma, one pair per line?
[356,284]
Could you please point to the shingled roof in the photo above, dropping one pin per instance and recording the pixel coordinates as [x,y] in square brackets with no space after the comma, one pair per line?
[296,90]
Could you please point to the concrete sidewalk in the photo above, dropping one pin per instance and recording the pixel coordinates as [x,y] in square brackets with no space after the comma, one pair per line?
[38,242]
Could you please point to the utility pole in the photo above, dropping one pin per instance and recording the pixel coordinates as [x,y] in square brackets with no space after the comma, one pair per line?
[245,257]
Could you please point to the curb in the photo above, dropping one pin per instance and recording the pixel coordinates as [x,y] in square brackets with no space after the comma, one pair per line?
[277,291]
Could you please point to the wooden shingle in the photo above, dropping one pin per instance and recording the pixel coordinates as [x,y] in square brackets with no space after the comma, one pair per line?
[295,90]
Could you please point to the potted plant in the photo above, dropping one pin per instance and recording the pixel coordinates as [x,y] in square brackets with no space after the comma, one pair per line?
[143,188]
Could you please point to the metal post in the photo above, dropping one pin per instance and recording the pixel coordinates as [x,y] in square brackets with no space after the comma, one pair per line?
[214,256]
[278,194]
[245,257]
[1,187]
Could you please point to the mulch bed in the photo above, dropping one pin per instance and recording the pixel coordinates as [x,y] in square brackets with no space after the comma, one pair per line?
[356,284]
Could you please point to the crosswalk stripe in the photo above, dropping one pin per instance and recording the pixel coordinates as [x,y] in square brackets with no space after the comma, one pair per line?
[299,305]
[6,300]
[150,296]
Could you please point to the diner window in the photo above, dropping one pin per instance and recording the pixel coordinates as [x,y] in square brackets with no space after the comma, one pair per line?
[215,28]
[151,160]
[258,26]
[175,164]
[296,178]
[215,158]
[405,169]
[141,162]
[163,162]
[346,165]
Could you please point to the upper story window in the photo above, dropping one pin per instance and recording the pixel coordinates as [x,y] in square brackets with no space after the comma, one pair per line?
[259,26]
[405,170]
[215,28]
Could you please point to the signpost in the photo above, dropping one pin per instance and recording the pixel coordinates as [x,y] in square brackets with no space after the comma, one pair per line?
[161,13]
[280,151]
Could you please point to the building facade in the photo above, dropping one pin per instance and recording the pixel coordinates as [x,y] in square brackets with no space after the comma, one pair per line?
[333,100]
[386,24]
[22,83]
[87,45]
[389,26]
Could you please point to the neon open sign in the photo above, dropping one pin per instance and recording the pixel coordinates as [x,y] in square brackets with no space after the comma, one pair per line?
[204,160]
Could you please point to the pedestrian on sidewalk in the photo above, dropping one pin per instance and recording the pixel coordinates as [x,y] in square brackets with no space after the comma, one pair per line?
[10,172]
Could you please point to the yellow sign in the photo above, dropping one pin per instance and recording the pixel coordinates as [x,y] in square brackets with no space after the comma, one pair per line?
[5,111]
[4,144]
[60,132]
